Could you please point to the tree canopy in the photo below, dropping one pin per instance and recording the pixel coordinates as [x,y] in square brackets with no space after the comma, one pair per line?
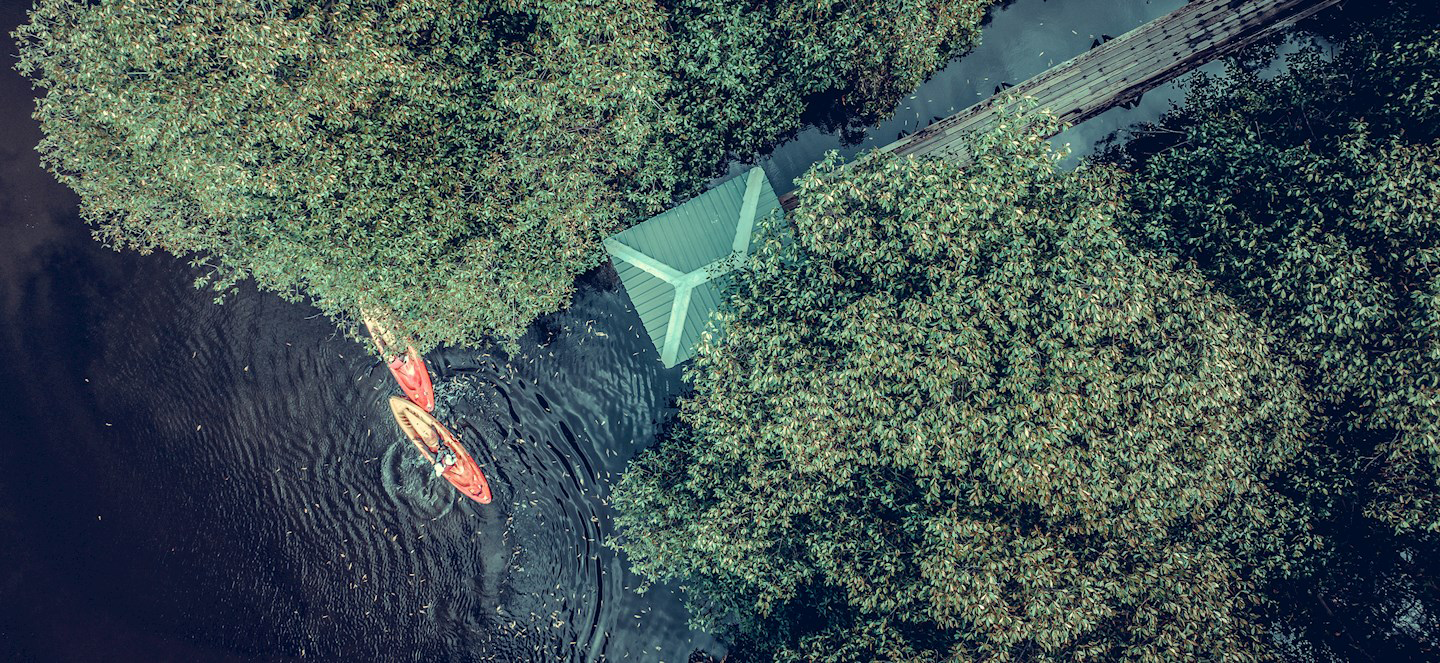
[1311,197]
[452,164]
[749,71]
[956,417]
[413,157]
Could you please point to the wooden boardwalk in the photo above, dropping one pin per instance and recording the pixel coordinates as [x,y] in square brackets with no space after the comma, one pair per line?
[1118,71]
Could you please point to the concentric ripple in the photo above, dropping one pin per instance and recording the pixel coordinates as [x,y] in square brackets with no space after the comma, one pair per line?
[545,427]
[248,456]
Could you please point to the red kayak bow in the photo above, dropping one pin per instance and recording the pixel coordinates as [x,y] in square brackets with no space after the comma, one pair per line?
[408,368]
[414,378]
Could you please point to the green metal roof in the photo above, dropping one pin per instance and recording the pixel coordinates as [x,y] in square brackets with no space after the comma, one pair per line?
[670,264]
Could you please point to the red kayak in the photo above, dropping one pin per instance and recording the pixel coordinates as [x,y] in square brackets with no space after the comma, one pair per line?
[414,378]
[408,368]
[428,435]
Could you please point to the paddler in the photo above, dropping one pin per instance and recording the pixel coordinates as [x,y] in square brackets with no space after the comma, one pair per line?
[446,459]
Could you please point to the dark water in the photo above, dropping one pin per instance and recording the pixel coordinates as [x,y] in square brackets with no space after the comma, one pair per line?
[181,481]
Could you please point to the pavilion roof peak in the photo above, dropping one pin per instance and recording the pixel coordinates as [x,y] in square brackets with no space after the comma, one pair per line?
[670,264]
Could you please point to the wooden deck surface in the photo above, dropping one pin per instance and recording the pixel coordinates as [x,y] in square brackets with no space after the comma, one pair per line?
[1119,70]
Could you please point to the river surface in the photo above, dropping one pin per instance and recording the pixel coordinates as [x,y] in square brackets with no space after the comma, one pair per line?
[185,481]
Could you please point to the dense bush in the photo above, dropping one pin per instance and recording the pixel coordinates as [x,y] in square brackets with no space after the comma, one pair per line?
[748,69]
[421,157]
[958,419]
[453,163]
[1313,197]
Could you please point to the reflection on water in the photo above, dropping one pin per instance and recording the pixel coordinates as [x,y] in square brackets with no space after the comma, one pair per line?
[181,481]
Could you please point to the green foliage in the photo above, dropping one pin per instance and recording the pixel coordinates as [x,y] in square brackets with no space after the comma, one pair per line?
[957,418]
[454,164]
[1312,197]
[746,70]
[418,157]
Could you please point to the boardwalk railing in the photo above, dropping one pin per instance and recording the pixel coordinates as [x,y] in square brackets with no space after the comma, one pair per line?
[1119,70]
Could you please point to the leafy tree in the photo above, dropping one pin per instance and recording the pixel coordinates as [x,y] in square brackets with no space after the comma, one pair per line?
[958,418]
[1312,198]
[426,157]
[452,164]
[748,71]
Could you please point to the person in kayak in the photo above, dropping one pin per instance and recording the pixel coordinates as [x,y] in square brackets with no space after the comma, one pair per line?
[446,459]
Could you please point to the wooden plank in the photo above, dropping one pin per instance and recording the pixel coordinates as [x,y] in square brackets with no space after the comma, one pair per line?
[1118,70]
